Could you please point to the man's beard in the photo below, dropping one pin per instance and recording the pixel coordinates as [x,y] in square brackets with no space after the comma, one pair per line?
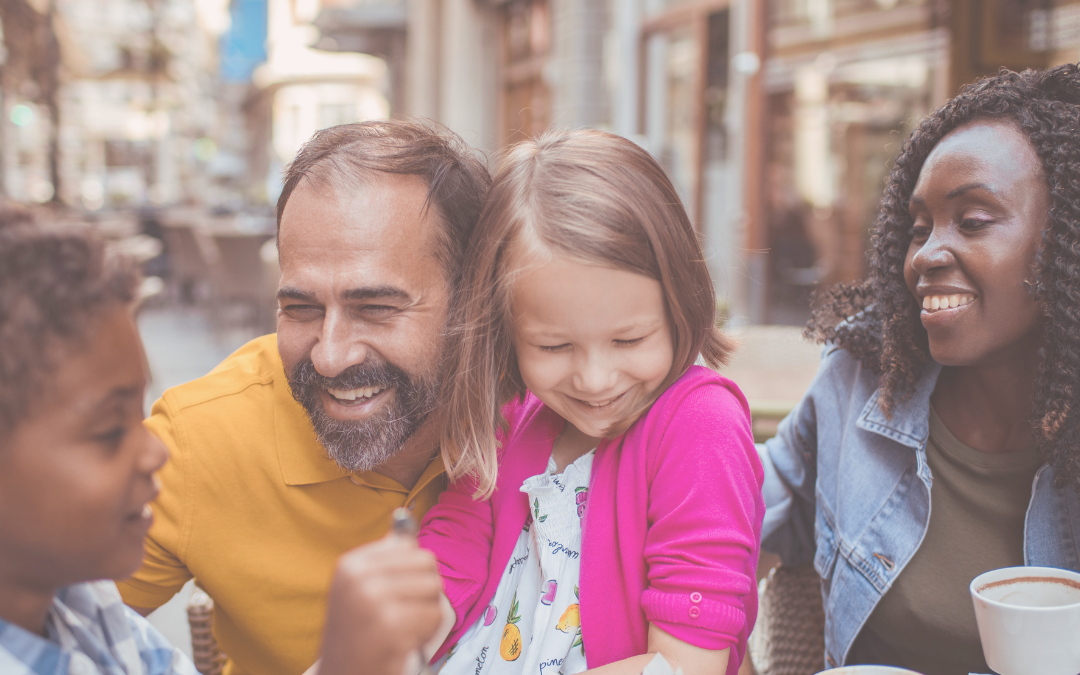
[359,446]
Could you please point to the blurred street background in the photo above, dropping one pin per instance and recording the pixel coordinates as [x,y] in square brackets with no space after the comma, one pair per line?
[167,123]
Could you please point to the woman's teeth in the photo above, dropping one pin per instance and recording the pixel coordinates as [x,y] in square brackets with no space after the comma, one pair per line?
[353,394]
[933,303]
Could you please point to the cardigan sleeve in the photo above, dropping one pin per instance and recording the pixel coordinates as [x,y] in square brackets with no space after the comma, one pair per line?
[705,513]
[459,530]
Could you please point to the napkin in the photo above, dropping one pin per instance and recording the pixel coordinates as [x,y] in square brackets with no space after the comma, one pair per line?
[660,666]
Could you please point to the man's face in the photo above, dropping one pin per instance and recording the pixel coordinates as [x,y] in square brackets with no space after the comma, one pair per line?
[77,475]
[363,304]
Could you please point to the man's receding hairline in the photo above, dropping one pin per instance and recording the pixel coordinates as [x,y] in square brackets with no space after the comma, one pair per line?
[323,180]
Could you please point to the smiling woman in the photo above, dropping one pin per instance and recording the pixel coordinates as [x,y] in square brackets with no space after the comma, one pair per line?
[939,439]
[1000,163]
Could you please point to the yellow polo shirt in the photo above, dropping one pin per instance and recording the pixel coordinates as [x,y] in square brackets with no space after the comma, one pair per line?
[252,508]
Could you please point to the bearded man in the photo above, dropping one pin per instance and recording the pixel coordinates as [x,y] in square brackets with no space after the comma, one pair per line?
[297,447]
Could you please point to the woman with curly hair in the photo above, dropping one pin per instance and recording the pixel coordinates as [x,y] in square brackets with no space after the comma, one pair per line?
[941,437]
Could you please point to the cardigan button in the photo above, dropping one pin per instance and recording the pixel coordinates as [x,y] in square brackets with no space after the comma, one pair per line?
[695,612]
[695,597]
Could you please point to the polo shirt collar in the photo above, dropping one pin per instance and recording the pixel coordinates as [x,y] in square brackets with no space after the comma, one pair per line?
[372,479]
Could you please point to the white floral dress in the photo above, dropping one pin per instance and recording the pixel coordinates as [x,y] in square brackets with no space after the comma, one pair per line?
[533,625]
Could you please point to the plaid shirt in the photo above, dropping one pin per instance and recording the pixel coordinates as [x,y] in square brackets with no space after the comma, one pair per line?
[91,632]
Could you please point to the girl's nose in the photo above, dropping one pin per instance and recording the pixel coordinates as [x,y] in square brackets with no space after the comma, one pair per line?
[594,375]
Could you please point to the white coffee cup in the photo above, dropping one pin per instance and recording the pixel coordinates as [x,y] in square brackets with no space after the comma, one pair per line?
[868,670]
[1029,620]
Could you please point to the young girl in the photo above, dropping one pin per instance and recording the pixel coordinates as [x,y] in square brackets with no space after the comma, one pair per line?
[605,503]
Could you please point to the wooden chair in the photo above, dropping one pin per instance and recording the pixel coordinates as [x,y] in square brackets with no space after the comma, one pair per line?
[789,635]
[208,658]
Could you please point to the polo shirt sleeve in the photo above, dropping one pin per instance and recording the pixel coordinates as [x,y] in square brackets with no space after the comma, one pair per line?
[705,514]
[163,572]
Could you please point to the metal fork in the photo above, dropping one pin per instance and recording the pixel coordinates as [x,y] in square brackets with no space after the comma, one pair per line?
[403,524]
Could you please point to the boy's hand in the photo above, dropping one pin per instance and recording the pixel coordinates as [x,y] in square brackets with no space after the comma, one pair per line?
[383,605]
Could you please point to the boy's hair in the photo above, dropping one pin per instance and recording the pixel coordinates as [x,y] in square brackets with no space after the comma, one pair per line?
[589,196]
[53,283]
[456,177]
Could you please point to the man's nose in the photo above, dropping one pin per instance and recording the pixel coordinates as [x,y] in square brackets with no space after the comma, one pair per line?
[593,374]
[339,346]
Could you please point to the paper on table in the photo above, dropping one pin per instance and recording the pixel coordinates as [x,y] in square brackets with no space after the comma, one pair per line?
[660,666]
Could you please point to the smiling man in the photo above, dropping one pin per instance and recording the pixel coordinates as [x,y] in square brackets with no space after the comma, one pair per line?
[297,447]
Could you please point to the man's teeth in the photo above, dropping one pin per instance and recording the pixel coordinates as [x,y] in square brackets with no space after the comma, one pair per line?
[936,302]
[353,394]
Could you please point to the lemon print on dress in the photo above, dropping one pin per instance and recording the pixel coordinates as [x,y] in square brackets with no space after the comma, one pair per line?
[510,647]
[570,620]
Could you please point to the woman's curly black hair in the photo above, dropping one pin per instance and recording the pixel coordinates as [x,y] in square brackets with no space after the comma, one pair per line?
[888,336]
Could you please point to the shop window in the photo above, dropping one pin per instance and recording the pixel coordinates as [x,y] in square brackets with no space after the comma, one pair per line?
[830,144]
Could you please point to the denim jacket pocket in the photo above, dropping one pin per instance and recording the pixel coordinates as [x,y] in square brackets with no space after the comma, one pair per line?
[825,541]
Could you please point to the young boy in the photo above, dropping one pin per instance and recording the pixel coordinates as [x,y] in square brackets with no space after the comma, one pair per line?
[77,478]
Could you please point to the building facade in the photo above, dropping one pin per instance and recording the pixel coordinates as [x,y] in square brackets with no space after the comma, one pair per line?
[777,120]
[132,107]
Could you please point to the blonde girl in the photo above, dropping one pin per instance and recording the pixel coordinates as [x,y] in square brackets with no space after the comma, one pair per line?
[605,502]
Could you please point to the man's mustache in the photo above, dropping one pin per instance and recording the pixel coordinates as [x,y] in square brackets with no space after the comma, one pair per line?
[370,373]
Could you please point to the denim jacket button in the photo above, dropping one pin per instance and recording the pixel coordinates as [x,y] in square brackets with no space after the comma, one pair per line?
[695,597]
[695,612]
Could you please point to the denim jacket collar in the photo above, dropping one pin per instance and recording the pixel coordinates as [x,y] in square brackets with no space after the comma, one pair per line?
[910,423]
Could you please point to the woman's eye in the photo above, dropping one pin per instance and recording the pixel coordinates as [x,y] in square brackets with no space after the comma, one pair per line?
[919,232]
[629,343]
[973,224]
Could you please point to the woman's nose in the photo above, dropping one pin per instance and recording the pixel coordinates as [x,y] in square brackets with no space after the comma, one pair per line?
[935,252]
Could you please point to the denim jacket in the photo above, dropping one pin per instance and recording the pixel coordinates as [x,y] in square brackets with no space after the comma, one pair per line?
[849,489]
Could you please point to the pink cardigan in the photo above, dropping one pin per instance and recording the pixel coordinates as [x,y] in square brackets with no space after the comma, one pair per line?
[671,530]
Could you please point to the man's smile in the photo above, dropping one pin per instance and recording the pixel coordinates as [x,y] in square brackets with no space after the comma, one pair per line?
[353,394]
[351,402]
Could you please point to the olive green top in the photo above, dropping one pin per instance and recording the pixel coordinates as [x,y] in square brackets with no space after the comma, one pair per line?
[926,621]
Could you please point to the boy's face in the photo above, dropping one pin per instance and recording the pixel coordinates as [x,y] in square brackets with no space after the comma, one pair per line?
[77,475]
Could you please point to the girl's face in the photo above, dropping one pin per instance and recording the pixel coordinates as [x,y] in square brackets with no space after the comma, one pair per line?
[979,208]
[592,342]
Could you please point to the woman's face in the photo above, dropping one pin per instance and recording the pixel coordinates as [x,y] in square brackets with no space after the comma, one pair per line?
[979,208]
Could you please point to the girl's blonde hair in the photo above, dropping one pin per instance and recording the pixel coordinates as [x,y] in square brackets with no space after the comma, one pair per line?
[593,197]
